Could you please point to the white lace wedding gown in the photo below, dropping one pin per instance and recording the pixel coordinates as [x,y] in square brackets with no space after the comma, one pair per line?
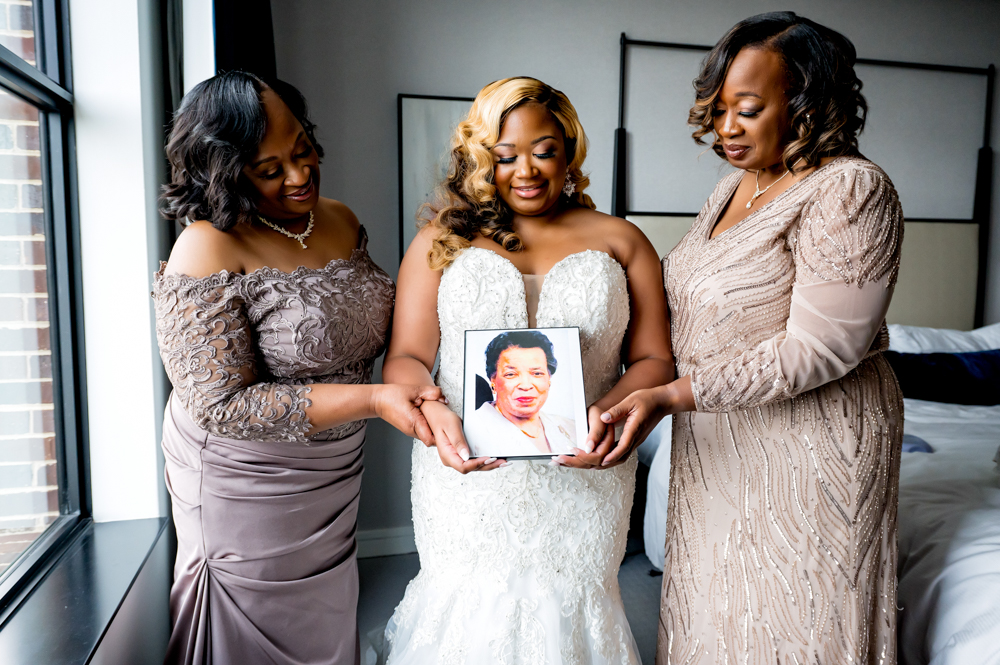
[520,564]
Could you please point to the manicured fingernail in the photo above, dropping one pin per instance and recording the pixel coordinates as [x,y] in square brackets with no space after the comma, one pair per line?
[605,463]
[445,400]
[490,461]
[590,446]
[606,417]
[464,454]
[507,464]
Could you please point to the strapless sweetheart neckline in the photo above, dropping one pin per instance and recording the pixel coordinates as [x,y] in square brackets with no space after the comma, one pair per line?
[558,264]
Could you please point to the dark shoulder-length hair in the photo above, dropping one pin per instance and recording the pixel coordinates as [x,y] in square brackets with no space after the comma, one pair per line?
[826,109]
[215,133]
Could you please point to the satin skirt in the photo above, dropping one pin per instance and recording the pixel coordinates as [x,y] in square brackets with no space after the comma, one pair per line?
[266,568]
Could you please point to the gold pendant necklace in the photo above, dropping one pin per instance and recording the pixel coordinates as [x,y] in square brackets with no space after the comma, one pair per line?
[760,192]
[301,237]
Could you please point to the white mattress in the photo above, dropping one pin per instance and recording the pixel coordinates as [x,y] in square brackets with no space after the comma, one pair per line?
[949,537]
[949,534]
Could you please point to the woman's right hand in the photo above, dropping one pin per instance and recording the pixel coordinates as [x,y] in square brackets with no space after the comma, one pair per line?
[399,405]
[450,440]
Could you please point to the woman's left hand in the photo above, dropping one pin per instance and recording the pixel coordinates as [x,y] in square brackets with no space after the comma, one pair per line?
[600,440]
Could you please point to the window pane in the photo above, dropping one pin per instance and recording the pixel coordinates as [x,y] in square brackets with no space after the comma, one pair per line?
[29,496]
[17,28]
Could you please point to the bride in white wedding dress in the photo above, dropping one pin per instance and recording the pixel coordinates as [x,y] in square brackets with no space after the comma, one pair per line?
[519,561]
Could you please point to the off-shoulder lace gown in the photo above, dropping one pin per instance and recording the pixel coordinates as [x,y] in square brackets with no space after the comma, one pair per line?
[781,534]
[266,515]
[520,565]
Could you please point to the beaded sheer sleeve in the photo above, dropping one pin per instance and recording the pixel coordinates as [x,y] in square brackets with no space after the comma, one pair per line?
[845,244]
[207,348]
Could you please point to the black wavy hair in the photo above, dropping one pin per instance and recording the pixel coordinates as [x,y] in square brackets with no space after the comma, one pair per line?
[522,339]
[826,109]
[214,134]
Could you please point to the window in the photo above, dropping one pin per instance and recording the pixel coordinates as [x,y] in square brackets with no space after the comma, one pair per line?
[42,496]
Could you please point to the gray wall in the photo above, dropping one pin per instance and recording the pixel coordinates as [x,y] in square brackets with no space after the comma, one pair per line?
[351,59]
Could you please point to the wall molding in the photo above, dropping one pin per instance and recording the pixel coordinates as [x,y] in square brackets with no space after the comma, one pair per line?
[386,542]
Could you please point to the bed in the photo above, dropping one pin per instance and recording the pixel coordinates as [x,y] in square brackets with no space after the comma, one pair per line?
[949,516]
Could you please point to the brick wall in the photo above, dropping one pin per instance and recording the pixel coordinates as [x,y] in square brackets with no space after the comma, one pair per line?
[28,485]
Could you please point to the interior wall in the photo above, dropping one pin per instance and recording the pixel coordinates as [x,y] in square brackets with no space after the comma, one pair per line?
[115,248]
[351,59]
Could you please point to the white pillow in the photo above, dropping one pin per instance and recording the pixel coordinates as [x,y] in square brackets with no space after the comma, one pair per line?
[916,339]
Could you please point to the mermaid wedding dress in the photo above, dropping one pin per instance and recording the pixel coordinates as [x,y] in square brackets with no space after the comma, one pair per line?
[520,564]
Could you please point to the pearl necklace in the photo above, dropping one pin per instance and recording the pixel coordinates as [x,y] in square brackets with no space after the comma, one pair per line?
[760,192]
[301,237]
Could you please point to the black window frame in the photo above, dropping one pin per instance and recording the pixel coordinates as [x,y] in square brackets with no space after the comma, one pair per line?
[48,86]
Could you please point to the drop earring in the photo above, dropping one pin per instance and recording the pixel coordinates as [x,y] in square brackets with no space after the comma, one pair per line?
[569,186]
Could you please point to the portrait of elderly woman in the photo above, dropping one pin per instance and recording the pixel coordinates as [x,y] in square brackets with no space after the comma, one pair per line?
[520,366]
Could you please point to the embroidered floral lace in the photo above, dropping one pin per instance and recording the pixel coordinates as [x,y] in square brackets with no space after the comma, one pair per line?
[240,350]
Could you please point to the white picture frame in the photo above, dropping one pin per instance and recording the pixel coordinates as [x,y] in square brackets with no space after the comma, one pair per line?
[517,413]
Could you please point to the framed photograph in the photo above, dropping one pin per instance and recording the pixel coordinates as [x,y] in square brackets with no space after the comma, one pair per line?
[524,395]
[425,124]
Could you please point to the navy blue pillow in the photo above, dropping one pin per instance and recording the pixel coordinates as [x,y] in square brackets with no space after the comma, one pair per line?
[914,444]
[956,378]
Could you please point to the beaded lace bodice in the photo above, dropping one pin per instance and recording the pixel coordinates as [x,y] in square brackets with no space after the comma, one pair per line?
[519,565]
[240,349]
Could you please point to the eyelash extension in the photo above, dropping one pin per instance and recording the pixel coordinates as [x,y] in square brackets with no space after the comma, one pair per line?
[510,160]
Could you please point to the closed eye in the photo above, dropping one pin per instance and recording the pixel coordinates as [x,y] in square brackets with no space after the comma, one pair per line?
[506,160]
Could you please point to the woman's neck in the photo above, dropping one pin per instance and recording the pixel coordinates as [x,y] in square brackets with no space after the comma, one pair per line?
[542,220]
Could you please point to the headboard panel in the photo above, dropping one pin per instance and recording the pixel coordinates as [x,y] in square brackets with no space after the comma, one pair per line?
[661,177]
[937,276]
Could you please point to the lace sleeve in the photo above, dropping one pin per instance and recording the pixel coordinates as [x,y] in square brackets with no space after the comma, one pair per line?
[207,349]
[845,248]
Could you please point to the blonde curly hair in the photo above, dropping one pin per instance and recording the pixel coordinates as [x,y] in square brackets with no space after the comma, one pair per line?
[466,203]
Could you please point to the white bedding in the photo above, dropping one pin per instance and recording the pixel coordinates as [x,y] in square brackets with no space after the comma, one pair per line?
[949,534]
[949,537]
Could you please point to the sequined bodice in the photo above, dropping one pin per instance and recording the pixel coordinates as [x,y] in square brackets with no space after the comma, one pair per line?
[732,296]
[238,347]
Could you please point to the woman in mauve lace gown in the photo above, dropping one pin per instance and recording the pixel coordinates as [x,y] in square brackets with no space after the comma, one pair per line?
[269,315]
[519,564]
[781,532]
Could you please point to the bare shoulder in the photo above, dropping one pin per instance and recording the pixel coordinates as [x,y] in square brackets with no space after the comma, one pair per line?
[203,250]
[339,211]
[624,238]
[422,242]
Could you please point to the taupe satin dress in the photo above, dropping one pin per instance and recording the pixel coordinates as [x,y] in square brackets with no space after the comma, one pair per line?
[266,567]
[781,532]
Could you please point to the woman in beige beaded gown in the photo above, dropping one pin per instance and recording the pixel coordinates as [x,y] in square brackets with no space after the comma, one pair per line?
[781,534]
[269,316]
